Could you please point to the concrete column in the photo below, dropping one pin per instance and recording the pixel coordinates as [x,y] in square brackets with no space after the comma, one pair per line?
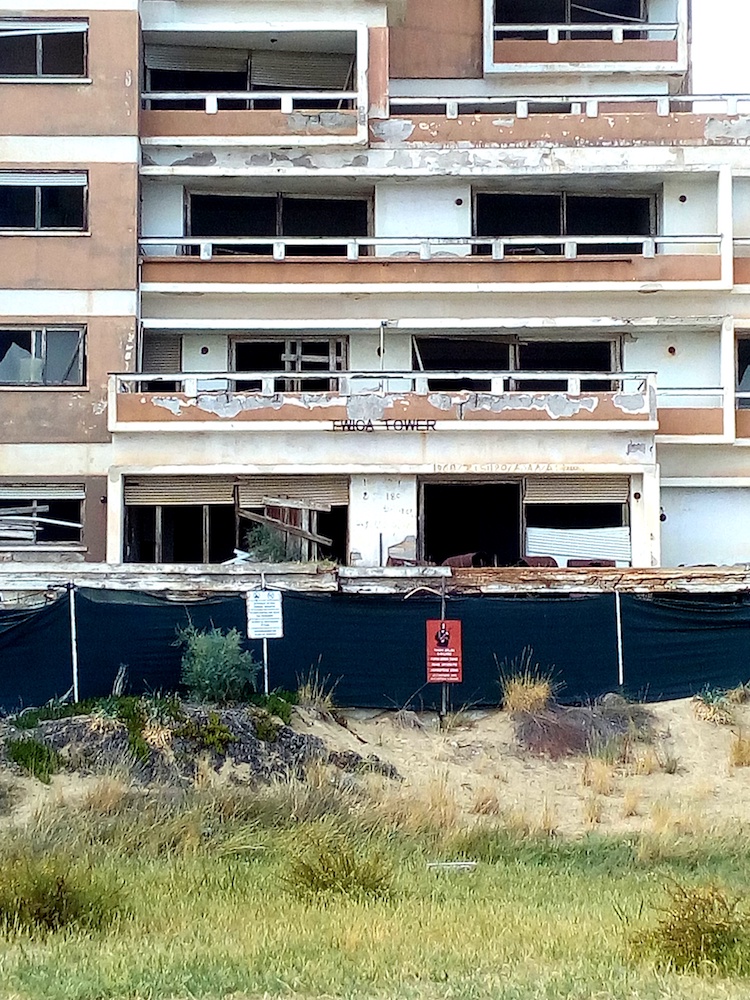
[645,526]
[115,516]
[382,513]
[725,222]
[727,363]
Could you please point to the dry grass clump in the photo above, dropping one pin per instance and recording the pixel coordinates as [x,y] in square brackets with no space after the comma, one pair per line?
[701,929]
[738,695]
[429,808]
[460,719]
[315,693]
[593,810]
[631,801]
[487,802]
[525,685]
[739,750]
[598,775]
[711,705]
[652,760]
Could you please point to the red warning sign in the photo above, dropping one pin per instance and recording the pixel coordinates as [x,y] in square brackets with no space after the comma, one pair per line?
[444,664]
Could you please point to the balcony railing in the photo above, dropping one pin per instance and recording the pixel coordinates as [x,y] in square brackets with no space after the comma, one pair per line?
[591,107]
[614,30]
[427,248]
[285,101]
[406,400]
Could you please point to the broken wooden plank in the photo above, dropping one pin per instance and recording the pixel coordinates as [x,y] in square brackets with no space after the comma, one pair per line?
[290,529]
[24,519]
[296,504]
[38,509]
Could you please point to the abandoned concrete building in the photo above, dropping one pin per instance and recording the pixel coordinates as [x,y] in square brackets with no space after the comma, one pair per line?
[394,281]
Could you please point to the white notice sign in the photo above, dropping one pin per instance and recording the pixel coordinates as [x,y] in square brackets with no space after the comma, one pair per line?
[264,617]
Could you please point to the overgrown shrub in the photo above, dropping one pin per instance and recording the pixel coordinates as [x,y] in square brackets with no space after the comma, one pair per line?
[701,929]
[336,864]
[210,734]
[266,727]
[266,544]
[35,757]
[40,895]
[214,665]
[279,703]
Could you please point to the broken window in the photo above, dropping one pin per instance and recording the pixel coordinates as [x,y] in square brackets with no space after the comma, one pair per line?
[554,12]
[568,357]
[480,521]
[564,214]
[46,355]
[39,515]
[465,354]
[743,372]
[181,533]
[41,202]
[216,215]
[326,354]
[215,69]
[31,48]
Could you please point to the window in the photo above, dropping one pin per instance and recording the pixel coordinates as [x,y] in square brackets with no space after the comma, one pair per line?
[41,515]
[44,355]
[743,373]
[277,215]
[564,214]
[30,48]
[43,202]
[568,12]
[290,355]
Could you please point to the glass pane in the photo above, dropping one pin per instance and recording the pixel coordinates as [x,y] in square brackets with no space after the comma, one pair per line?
[64,55]
[62,208]
[17,366]
[17,207]
[63,361]
[18,55]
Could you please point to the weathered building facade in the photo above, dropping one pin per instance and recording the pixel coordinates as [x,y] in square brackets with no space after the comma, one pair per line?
[419,280]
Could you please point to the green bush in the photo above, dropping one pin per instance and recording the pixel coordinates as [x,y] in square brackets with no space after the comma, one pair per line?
[35,757]
[700,929]
[31,717]
[266,727]
[279,703]
[209,735]
[335,864]
[214,665]
[40,895]
[266,544]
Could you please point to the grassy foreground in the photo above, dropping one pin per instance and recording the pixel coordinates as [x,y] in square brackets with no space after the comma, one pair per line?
[214,894]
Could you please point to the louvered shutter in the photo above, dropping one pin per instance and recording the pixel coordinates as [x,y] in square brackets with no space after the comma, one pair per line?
[577,489]
[162,352]
[324,489]
[178,490]
[28,178]
[196,58]
[12,28]
[580,543]
[42,491]
[300,70]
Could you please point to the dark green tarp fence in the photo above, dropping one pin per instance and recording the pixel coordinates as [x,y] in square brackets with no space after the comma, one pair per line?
[373,647]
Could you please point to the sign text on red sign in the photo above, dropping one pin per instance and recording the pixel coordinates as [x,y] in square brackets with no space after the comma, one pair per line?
[444,665]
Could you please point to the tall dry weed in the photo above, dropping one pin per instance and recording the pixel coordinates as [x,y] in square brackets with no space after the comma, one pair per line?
[598,775]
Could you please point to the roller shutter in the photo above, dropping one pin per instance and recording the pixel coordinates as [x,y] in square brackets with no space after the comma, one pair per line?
[324,489]
[194,58]
[182,490]
[300,70]
[42,491]
[162,352]
[577,489]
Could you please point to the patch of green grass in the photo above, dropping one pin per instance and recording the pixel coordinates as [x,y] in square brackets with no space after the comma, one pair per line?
[279,703]
[210,734]
[31,717]
[266,727]
[35,757]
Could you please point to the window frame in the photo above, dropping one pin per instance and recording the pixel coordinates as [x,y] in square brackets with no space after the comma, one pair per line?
[40,495]
[82,182]
[78,25]
[39,334]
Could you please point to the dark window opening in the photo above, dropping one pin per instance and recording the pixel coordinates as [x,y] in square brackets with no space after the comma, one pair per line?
[743,371]
[334,524]
[25,51]
[448,354]
[268,541]
[176,80]
[481,519]
[177,533]
[43,356]
[290,355]
[572,515]
[40,521]
[568,12]
[286,216]
[42,206]
[563,214]
[565,356]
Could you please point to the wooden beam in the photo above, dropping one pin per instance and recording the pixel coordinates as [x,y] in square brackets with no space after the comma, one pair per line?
[296,504]
[290,529]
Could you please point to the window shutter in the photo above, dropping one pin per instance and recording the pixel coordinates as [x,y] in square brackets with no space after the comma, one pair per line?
[179,490]
[580,543]
[577,489]
[324,489]
[12,28]
[28,179]
[42,491]
[300,70]
[162,352]
[191,57]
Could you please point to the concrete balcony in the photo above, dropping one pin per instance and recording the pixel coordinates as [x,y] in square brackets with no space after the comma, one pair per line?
[618,44]
[313,117]
[568,120]
[699,415]
[380,264]
[371,402]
